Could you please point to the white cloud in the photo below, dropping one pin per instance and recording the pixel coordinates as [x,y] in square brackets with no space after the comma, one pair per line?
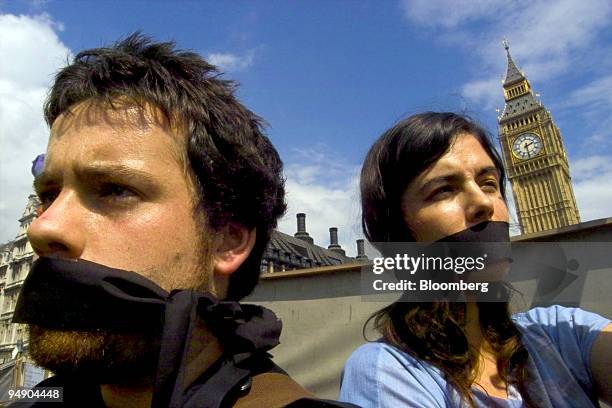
[486,92]
[547,38]
[592,186]
[232,62]
[592,104]
[327,191]
[595,94]
[447,13]
[591,167]
[31,53]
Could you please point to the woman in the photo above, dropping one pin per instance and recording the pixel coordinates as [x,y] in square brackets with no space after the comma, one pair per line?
[434,176]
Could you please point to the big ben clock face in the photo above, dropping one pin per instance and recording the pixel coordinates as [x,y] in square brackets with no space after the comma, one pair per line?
[526,146]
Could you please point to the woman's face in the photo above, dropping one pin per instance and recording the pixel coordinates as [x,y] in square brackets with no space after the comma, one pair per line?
[458,191]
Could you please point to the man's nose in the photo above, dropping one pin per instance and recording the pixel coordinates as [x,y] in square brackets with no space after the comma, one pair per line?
[57,230]
[479,206]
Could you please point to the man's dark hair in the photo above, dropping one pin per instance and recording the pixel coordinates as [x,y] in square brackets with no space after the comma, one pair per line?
[238,172]
[398,157]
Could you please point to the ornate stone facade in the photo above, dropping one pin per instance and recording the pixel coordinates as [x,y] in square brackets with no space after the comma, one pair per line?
[16,257]
[535,158]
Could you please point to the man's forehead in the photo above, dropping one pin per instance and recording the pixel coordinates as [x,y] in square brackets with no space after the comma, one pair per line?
[122,117]
[97,139]
[119,113]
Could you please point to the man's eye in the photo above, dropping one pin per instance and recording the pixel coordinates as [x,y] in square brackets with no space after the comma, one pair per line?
[46,198]
[116,192]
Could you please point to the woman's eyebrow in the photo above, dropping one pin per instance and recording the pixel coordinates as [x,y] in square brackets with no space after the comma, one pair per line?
[488,170]
[447,178]
[453,177]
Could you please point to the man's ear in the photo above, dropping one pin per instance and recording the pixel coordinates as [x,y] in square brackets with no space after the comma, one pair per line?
[234,246]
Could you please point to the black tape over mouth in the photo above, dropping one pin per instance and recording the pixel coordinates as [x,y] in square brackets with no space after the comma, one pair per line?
[83,295]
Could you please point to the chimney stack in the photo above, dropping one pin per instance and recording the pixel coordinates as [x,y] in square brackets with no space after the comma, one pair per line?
[301,222]
[301,229]
[333,241]
[361,256]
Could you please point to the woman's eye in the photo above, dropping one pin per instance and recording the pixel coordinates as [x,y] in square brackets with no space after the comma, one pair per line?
[441,192]
[491,185]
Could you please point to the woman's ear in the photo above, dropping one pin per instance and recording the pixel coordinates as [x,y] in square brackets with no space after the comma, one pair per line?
[234,246]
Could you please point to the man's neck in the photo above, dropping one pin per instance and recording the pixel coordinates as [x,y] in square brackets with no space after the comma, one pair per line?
[116,396]
[202,350]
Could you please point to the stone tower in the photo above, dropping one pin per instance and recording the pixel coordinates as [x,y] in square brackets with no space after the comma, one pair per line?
[535,157]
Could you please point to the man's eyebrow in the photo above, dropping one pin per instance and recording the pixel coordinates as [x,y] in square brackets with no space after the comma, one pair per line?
[44,179]
[112,170]
[93,171]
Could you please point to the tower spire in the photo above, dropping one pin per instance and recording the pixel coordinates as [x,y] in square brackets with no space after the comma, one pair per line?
[534,157]
[512,74]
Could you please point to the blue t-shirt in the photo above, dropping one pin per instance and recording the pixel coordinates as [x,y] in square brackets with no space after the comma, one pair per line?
[559,342]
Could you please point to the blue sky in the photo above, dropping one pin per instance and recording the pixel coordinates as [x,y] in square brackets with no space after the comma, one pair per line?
[330,76]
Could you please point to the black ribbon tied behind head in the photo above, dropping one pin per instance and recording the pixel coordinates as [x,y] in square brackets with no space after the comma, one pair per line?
[82,295]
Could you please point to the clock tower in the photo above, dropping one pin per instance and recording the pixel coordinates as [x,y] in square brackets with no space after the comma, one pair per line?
[535,158]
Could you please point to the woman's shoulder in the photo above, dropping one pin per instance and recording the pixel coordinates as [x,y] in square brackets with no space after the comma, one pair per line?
[561,336]
[375,350]
[380,374]
[382,355]
[557,317]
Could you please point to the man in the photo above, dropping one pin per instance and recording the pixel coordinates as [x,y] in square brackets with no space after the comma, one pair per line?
[153,167]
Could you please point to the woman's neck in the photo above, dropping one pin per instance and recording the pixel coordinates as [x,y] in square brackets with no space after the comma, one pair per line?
[473,331]
[486,376]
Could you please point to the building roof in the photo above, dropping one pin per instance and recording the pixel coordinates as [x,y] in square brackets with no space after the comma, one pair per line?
[594,228]
[519,106]
[513,74]
[523,104]
[599,230]
[300,249]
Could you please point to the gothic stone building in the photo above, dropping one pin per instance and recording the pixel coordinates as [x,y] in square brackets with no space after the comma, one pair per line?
[534,157]
[16,257]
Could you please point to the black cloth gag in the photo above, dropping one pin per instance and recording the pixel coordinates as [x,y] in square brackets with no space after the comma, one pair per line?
[82,295]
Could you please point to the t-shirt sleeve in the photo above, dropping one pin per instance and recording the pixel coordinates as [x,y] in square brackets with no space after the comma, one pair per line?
[377,375]
[573,332]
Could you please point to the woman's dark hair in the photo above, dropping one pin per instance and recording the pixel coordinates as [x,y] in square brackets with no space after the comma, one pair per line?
[401,154]
[433,331]
[238,172]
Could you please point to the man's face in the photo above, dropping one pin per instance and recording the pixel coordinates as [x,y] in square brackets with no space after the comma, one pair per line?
[115,191]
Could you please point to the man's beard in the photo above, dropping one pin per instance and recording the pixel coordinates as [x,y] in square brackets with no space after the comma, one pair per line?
[101,356]
[108,357]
